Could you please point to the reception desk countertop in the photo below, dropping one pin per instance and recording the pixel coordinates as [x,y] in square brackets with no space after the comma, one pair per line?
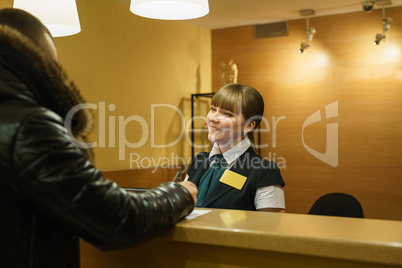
[309,241]
[335,237]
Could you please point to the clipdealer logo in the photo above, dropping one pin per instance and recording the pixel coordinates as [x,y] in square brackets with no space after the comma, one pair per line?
[330,156]
[118,130]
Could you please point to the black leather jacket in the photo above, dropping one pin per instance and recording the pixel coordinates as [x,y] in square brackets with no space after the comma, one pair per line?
[50,193]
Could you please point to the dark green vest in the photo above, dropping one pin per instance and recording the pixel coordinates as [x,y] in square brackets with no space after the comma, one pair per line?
[259,173]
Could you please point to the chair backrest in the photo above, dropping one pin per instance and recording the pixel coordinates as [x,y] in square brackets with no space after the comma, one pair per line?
[337,204]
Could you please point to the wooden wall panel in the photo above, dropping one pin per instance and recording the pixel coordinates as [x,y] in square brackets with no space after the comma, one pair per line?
[341,65]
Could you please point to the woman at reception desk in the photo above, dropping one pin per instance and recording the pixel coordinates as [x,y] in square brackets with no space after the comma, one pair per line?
[233,175]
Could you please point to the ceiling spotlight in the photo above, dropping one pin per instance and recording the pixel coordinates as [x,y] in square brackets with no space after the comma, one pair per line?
[386,25]
[368,6]
[310,30]
[303,47]
[378,38]
[310,34]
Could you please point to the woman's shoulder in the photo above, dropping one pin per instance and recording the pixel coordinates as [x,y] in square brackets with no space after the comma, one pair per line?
[199,160]
[202,155]
[254,161]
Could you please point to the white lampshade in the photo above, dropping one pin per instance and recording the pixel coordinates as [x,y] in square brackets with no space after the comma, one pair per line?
[59,16]
[170,9]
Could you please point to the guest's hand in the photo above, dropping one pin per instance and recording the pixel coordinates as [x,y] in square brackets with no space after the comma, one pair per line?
[191,188]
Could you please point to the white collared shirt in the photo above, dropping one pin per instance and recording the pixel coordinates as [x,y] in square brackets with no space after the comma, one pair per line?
[271,196]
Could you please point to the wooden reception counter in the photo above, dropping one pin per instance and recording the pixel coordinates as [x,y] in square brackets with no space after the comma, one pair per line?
[234,238]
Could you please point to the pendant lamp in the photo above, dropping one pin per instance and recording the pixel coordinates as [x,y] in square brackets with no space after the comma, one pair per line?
[59,16]
[170,9]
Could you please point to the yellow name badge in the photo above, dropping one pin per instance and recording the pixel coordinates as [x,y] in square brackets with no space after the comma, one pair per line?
[233,179]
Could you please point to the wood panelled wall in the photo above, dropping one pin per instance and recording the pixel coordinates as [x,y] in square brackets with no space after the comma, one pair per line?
[342,67]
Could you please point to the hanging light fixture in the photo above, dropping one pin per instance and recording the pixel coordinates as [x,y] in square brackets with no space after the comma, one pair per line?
[170,9]
[59,16]
[386,25]
[310,31]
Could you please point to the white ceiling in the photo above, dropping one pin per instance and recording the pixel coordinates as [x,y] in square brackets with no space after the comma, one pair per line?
[232,13]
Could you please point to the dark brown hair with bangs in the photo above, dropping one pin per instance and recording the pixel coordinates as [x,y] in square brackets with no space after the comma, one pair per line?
[251,103]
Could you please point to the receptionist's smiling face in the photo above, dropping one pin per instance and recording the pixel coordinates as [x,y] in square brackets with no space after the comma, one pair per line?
[225,127]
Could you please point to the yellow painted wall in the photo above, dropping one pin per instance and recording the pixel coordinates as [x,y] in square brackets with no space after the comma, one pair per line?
[133,63]
[342,65]
[6,3]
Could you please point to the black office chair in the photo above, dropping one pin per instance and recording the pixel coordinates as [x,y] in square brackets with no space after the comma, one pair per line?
[337,204]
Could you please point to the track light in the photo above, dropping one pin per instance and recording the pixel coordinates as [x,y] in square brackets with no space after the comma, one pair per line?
[310,30]
[378,39]
[368,6]
[386,25]
[303,47]
[310,34]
